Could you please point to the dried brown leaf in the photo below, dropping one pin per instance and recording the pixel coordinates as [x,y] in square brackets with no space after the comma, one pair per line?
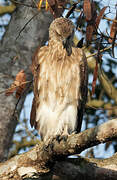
[20,79]
[93,12]
[18,85]
[53,4]
[87,10]
[91,23]
[113,31]
[89,32]
[113,34]
[98,19]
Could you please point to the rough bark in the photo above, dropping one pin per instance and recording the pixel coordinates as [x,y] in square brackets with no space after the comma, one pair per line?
[14,56]
[51,159]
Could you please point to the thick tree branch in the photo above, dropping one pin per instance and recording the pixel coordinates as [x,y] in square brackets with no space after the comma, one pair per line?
[41,158]
[94,169]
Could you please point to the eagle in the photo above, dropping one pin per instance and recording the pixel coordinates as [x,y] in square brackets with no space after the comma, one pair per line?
[60,83]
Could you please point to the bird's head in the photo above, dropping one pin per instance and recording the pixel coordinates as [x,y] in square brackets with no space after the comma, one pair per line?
[62,30]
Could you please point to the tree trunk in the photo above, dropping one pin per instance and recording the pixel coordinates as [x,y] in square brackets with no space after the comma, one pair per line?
[14,56]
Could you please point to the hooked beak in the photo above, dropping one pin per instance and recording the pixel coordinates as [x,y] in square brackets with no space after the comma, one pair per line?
[67,45]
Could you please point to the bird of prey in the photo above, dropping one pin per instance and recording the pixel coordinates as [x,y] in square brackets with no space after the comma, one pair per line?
[60,83]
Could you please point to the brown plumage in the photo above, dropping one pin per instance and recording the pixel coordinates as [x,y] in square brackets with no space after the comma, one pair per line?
[60,83]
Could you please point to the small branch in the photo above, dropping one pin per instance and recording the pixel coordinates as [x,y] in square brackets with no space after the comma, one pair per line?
[102,50]
[108,86]
[23,144]
[100,105]
[41,158]
[7,9]
[11,88]
[108,19]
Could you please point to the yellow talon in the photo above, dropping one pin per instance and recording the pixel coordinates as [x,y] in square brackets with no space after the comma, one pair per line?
[40,4]
[47,5]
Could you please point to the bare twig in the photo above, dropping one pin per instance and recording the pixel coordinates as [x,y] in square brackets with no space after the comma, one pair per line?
[102,50]
[4,91]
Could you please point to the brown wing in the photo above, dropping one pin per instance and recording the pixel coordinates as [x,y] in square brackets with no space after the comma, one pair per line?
[33,113]
[35,71]
[83,91]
